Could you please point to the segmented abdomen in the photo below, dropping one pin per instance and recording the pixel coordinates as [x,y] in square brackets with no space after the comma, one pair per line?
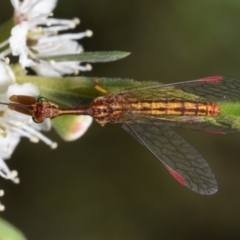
[112,108]
[177,107]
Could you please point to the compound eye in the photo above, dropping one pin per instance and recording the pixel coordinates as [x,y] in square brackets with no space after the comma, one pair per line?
[38,114]
[41,99]
[37,120]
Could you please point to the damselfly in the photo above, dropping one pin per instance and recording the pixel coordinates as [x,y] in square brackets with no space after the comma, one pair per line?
[148,114]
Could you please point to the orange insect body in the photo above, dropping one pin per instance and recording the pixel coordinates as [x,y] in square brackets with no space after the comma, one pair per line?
[112,108]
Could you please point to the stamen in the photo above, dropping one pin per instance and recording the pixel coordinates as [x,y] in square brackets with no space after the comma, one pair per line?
[74,36]
[14,173]
[76,72]
[89,33]
[7,60]
[27,131]
[39,135]
[40,30]
[21,132]
[34,139]
[5,173]
[16,180]
[48,23]
[2,207]
[72,25]
[77,21]
[87,67]
[1,192]
[54,145]
[55,29]
[58,21]
[71,67]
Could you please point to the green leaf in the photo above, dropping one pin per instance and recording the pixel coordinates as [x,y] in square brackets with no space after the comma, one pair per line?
[90,57]
[79,91]
[9,232]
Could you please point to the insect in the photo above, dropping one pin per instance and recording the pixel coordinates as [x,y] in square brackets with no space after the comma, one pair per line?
[148,114]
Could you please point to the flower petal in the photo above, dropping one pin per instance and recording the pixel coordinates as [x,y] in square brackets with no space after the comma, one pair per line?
[7,77]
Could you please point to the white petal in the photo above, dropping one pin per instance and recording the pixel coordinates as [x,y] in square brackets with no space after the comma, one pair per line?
[15,3]
[8,144]
[18,38]
[29,9]
[58,47]
[25,61]
[28,89]
[18,44]
[45,69]
[43,7]
[6,77]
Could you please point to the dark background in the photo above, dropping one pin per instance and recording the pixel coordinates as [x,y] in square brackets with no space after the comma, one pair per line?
[106,185]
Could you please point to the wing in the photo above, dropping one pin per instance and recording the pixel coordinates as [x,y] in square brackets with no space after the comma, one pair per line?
[222,91]
[184,163]
[210,89]
[215,89]
[213,125]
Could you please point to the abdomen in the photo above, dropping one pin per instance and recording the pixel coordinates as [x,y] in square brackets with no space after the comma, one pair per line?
[175,107]
[112,108]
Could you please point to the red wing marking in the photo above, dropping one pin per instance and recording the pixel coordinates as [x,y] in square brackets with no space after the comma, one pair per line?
[212,79]
[214,132]
[176,175]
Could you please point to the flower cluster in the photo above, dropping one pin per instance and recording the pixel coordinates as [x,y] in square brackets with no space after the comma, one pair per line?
[35,36]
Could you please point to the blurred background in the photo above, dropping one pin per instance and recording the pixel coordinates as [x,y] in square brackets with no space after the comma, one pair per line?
[106,185]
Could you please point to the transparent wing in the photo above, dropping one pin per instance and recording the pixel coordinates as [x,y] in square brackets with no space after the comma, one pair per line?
[212,89]
[215,89]
[216,125]
[212,125]
[184,163]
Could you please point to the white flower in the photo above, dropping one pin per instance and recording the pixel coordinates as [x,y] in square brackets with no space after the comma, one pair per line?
[28,9]
[19,44]
[15,125]
[36,36]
